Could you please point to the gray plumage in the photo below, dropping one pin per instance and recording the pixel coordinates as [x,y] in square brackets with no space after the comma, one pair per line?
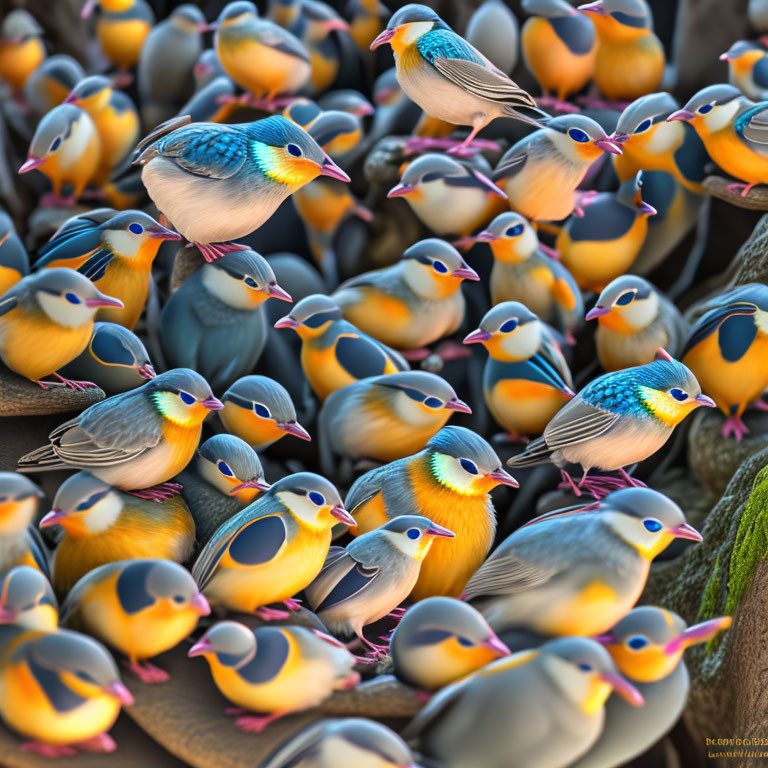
[27,598]
[60,69]
[494,31]
[13,254]
[17,537]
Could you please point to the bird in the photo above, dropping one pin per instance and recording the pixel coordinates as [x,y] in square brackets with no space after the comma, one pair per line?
[540,172]
[260,56]
[14,261]
[276,670]
[559,47]
[51,82]
[224,477]
[493,31]
[207,69]
[27,600]
[116,254]
[140,607]
[629,60]
[116,120]
[347,100]
[102,525]
[448,482]
[539,708]
[385,418]
[366,21]
[66,148]
[135,441]
[448,196]
[46,321]
[757,13]
[414,302]
[19,542]
[220,182]
[61,690]
[447,77]
[115,360]
[260,411]
[164,74]
[21,48]
[213,103]
[617,419]
[215,323]
[725,350]
[647,646]
[602,244]
[372,575]
[748,69]
[352,742]
[122,29]
[273,548]
[526,380]
[634,320]
[523,272]
[333,352]
[577,571]
[441,640]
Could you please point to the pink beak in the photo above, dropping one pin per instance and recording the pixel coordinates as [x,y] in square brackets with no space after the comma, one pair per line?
[7,616]
[104,301]
[597,312]
[87,9]
[295,429]
[400,190]
[276,292]
[685,531]
[342,515]
[608,145]
[454,404]
[202,646]
[384,37]
[596,7]
[681,114]
[162,233]
[486,236]
[624,688]
[619,138]
[724,57]
[336,25]
[286,322]
[477,337]
[647,209]
[261,485]
[200,604]
[71,98]
[54,517]
[146,371]
[465,273]
[212,403]
[492,643]
[705,401]
[502,477]
[31,163]
[438,530]
[698,633]
[329,168]
[121,693]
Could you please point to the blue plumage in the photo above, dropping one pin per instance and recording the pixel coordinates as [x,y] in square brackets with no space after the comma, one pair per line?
[446,44]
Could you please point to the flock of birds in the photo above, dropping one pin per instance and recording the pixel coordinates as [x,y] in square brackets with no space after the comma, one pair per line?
[532,653]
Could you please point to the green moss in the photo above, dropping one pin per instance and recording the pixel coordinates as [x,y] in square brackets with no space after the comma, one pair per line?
[711,601]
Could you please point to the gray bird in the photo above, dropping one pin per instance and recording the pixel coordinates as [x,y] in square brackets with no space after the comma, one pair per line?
[441,640]
[214,323]
[635,319]
[647,646]
[539,708]
[370,577]
[225,476]
[20,543]
[577,571]
[27,599]
[51,82]
[14,262]
[346,100]
[494,31]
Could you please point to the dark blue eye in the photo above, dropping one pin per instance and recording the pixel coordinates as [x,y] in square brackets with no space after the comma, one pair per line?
[56,144]
[137,229]
[637,642]
[465,642]
[644,126]
[91,500]
[578,135]
[178,599]
[514,231]
[413,533]
[72,298]
[433,402]
[705,108]
[250,282]
[679,394]
[294,149]
[625,298]
[468,466]
[261,410]
[438,266]
[186,398]
[652,525]
[316,498]
[508,326]
[224,468]
[584,667]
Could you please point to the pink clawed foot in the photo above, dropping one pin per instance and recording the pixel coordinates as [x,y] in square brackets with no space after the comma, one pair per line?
[450,350]
[583,199]
[550,102]
[78,386]
[56,201]
[292,604]
[424,697]
[122,79]
[740,187]
[271,614]
[734,424]
[376,651]
[569,484]
[103,742]
[51,751]
[363,213]
[550,251]
[397,613]
[761,405]
[255,723]
[213,251]
[158,493]
[146,672]
[629,480]
[350,681]
[236,711]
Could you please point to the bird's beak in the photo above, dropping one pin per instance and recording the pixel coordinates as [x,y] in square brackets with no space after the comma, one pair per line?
[606,639]
[104,301]
[329,168]
[724,57]
[486,236]
[477,337]
[596,7]
[203,645]
[31,163]
[364,110]
[212,403]
[624,688]
[71,98]
[295,429]
[160,232]
[502,477]
[201,68]
[597,312]
[619,138]
[276,292]
[342,515]
[384,37]
[146,371]
[608,145]
[704,400]
[54,517]
[336,25]
[200,604]
[647,209]
[400,190]
[286,322]
[686,531]
[120,692]
[465,273]
[492,643]
[7,616]
[681,114]
[698,633]
[454,404]
[261,485]
[438,530]
[88,9]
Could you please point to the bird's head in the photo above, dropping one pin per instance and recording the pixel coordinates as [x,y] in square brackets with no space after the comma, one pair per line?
[51,143]
[84,506]
[711,109]
[235,13]
[232,467]
[407,25]
[627,304]
[648,643]
[19,26]
[347,100]
[226,643]
[643,126]
[620,20]
[312,316]
[68,298]
[418,177]
[265,407]
[742,56]
[55,78]
[631,193]
[549,9]
[464,462]
[136,235]
[413,535]
[243,280]
[188,18]
[509,331]
[419,398]
[27,599]
[207,68]
[580,138]
[434,269]
[91,94]
[302,111]
[585,673]
[286,154]
[182,396]
[511,238]
[370,742]
[114,346]
[19,498]
[312,501]
[336,132]
[320,20]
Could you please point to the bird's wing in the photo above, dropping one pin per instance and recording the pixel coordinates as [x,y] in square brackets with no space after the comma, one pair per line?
[361,356]
[576,422]
[301,747]
[715,321]
[8,303]
[342,577]
[96,264]
[551,354]
[760,73]
[752,126]
[506,572]
[163,130]
[282,40]
[365,488]
[273,651]
[70,244]
[511,163]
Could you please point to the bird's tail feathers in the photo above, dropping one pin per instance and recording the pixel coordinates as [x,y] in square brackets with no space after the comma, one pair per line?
[518,112]
[41,459]
[141,157]
[536,452]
